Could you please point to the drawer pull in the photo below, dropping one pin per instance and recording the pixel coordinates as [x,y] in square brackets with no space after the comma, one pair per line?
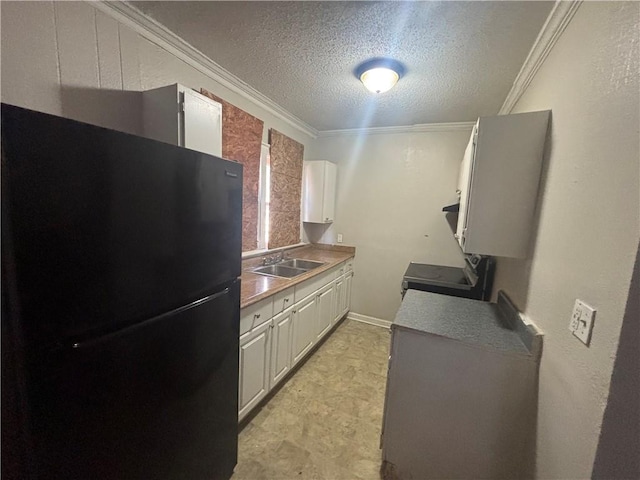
[286,300]
[257,315]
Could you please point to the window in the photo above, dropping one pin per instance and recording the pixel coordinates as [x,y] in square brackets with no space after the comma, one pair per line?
[264,197]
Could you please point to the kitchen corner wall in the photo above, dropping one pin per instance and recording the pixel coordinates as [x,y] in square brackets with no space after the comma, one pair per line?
[587,229]
[72,60]
[390,192]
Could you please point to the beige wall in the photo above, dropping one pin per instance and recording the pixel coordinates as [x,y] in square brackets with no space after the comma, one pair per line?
[69,59]
[588,225]
[391,190]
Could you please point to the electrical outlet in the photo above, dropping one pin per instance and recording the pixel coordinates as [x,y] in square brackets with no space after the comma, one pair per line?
[575,316]
[581,323]
[339,238]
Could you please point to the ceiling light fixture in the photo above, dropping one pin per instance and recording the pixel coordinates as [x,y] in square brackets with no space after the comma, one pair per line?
[379,74]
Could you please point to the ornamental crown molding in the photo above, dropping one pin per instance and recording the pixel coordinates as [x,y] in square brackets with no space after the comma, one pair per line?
[423,127]
[128,15]
[560,16]
[158,34]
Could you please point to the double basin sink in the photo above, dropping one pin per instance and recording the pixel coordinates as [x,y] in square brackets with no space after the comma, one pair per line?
[288,268]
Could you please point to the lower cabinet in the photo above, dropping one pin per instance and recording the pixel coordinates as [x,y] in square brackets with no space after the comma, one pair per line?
[337,299]
[346,296]
[271,345]
[303,338]
[281,346]
[325,310]
[342,296]
[255,352]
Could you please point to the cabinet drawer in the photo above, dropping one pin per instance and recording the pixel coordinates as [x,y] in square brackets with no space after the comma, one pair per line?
[305,289]
[283,300]
[255,315]
[349,265]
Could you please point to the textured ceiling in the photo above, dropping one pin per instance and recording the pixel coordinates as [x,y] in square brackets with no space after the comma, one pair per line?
[461,57]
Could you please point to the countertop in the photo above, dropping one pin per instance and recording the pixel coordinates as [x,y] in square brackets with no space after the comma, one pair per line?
[255,287]
[483,324]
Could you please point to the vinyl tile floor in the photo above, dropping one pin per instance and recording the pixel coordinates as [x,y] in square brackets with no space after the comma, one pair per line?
[325,422]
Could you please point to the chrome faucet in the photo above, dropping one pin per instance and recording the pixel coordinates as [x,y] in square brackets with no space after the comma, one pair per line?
[271,259]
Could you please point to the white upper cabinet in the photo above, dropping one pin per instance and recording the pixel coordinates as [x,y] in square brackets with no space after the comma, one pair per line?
[319,191]
[178,115]
[498,184]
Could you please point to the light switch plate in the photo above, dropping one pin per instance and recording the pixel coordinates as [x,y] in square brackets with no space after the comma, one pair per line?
[581,323]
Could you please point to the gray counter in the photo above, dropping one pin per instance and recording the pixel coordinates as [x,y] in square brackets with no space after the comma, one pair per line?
[461,390]
[496,326]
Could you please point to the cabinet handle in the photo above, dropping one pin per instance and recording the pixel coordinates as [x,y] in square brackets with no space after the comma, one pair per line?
[257,315]
[286,300]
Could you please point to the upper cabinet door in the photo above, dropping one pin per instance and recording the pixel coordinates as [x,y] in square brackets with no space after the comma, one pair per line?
[329,198]
[463,185]
[319,191]
[180,116]
[498,204]
[202,123]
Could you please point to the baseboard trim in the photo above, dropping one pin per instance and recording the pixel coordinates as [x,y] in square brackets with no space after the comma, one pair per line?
[378,322]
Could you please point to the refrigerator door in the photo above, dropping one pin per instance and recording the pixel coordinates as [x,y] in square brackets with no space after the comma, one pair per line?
[154,401]
[109,229]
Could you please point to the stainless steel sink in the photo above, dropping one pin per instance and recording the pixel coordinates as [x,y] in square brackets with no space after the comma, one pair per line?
[299,263]
[288,268]
[280,271]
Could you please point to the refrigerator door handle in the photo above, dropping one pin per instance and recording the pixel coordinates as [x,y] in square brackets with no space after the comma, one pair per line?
[128,329]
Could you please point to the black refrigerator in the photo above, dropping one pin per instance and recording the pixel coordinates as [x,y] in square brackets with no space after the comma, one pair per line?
[120,304]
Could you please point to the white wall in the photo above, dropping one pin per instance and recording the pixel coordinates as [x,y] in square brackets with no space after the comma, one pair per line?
[69,59]
[391,190]
[588,225]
